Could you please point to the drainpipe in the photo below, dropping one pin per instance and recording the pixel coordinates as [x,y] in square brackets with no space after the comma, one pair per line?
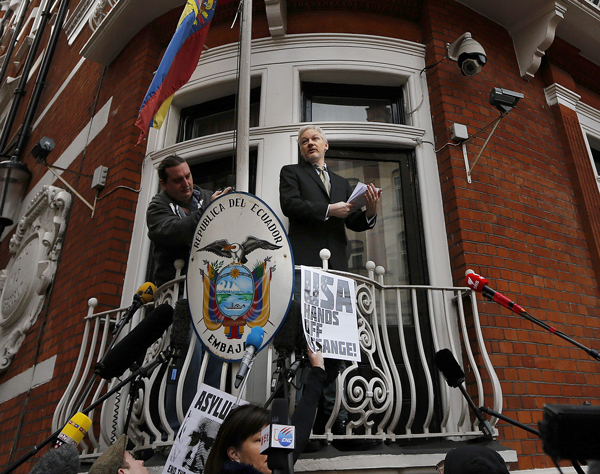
[5,18]
[43,74]
[13,42]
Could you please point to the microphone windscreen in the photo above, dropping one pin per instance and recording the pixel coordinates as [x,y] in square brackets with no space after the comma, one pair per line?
[255,338]
[290,336]
[146,292]
[447,365]
[136,343]
[280,412]
[180,331]
[63,460]
[279,458]
[474,281]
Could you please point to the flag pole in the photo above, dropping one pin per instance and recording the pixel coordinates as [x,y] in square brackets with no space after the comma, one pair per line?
[243,123]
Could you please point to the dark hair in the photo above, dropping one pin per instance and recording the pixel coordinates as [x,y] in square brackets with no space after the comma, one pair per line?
[474,459]
[168,162]
[240,424]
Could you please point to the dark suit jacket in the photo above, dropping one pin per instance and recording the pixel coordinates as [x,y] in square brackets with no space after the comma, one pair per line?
[304,201]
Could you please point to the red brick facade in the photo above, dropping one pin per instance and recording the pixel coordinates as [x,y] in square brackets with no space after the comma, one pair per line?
[529,221]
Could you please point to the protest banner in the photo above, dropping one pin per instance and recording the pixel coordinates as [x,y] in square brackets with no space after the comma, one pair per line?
[198,431]
[329,314]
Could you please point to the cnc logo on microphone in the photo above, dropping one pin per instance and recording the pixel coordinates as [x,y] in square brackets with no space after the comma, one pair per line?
[285,436]
[240,273]
[277,436]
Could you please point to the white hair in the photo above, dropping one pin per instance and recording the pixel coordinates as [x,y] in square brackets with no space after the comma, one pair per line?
[318,129]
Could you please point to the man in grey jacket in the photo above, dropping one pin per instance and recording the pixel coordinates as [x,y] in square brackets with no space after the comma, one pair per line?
[173,215]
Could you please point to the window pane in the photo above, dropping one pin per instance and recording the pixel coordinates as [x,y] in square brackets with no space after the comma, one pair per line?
[324,102]
[351,110]
[596,158]
[215,116]
[386,243]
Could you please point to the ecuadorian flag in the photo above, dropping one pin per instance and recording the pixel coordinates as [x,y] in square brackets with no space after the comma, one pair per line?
[178,63]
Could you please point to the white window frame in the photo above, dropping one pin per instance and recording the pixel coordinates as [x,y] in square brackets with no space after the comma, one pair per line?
[280,66]
[589,118]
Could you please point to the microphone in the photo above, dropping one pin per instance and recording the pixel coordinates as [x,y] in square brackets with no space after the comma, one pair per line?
[180,337]
[277,439]
[253,343]
[134,346]
[290,336]
[74,431]
[447,365]
[143,295]
[63,460]
[455,377]
[480,284]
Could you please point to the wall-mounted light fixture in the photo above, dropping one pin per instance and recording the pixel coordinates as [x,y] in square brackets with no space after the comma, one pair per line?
[469,54]
[14,180]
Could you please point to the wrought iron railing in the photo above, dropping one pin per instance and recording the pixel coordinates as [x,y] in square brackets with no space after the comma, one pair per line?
[395,394]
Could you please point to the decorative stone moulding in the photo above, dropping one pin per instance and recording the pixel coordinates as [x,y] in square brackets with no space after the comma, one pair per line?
[35,246]
[534,34]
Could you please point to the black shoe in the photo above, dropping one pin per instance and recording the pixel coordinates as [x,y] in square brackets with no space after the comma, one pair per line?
[338,427]
[313,446]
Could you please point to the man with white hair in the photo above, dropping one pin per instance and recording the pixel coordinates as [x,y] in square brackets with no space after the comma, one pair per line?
[314,199]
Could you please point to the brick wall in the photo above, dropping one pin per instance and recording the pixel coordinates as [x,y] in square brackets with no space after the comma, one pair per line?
[518,224]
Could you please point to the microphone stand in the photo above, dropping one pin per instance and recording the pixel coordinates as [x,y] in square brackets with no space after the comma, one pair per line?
[484,425]
[285,378]
[145,371]
[529,429]
[591,352]
[511,305]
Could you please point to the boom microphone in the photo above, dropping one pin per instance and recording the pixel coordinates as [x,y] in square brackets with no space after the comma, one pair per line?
[180,337]
[290,336]
[143,295]
[134,345]
[74,431]
[480,284]
[253,343]
[455,376]
[447,365]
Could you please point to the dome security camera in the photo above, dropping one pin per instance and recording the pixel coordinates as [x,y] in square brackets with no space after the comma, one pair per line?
[469,54]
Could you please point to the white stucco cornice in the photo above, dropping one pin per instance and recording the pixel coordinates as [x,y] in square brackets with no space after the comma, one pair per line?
[557,94]
[589,113]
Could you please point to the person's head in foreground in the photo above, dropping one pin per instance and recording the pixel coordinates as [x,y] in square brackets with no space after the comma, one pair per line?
[117,460]
[473,460]
[237,445]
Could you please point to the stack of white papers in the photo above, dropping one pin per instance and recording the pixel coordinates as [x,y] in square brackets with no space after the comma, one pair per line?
[358,195]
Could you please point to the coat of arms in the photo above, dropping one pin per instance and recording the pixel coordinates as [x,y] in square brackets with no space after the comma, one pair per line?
[232,280]
[234,295]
